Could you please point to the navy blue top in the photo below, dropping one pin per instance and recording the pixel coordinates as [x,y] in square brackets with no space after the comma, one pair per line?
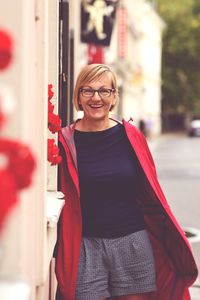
[108,174]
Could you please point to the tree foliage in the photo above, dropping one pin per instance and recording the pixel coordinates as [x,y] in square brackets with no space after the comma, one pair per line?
[181,55]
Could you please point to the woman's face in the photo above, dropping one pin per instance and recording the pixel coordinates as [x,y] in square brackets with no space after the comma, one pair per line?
[97,105]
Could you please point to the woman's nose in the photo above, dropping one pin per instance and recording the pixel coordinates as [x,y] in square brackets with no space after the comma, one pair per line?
[96,95]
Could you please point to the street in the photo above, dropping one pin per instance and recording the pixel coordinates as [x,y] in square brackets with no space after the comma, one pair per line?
[177,159]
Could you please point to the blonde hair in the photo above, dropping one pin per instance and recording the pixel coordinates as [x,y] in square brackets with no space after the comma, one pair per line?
[90,73]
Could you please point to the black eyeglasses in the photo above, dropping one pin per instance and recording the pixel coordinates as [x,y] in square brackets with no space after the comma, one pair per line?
[89,92]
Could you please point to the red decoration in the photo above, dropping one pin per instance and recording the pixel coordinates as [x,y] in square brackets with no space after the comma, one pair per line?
[54,125]
[53,152]
[50,92]
[20,161]
[50,107]
[54,122]
[95,54]
[2,119]
[6,48]
[8,194]
[15,174]
[16,167]
[16,160]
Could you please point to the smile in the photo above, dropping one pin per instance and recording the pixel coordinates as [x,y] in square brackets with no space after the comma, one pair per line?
[96,105]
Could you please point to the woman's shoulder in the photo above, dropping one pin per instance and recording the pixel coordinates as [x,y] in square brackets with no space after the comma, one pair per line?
[65,135]
[68,129]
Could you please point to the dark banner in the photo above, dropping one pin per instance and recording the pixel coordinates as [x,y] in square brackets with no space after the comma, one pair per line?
[97,19]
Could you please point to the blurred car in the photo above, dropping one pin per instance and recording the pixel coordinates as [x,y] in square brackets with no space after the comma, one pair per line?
[194,128]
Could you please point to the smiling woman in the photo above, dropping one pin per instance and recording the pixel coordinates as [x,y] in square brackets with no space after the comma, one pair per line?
[96,94]
[117,236]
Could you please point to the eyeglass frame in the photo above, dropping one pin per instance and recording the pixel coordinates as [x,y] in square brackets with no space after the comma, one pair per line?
[98,91]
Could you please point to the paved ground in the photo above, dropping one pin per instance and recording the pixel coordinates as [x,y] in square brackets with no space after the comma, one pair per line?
[195,290]
[177,159]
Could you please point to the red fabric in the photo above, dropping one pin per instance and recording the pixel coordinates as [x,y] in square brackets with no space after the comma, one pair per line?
[175,266]
[95,54]
[6,49]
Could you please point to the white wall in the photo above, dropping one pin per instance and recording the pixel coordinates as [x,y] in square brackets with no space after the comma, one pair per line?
[19,234]
[27,242]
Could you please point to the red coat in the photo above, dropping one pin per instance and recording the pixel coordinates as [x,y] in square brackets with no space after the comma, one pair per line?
[175,266]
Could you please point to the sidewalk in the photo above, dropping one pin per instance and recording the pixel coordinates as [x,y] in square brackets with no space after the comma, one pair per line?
[153,144]
[195,290]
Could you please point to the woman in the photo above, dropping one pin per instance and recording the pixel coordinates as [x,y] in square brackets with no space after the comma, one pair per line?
[117,235]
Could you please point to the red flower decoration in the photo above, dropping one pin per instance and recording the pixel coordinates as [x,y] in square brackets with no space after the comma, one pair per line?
[6,48]
[50,92]
[15,175]
[2,119]
[8,192]
[53,153]
[21,162]
[50,106]
[54,125]
[15,172]
[54,122]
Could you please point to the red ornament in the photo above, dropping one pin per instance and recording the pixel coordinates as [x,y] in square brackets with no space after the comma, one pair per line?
[50,106]
[53,153]
[15,175]
[15,169]
[21,162]
[95,54]
[50,92]
[54,125]
[2,119]
[54,122]
[8,192]
[6,49]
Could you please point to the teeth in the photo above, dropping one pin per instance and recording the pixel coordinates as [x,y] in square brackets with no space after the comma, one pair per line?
[95,105]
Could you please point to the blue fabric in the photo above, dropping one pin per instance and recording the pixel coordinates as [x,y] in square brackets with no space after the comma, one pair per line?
[108,173]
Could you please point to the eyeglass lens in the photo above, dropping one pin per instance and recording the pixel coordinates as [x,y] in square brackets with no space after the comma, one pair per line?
[103,92]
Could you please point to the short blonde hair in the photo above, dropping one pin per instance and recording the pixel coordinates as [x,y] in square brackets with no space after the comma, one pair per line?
[90,73]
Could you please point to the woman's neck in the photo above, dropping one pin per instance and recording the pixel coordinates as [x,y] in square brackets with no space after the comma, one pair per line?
[94,125]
